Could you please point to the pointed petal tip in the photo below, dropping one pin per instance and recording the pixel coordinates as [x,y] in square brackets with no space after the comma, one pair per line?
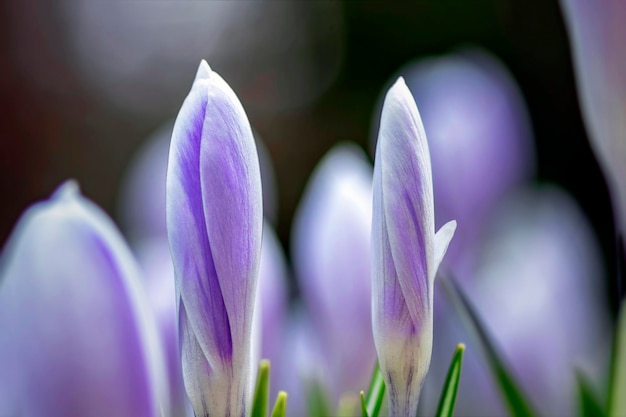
[66,191]
[204,71]
[399,88]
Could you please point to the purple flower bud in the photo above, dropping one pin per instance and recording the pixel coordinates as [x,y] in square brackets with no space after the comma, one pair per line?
[331,252]
[77,335]
[479,140]
[406,252]
[214,222]
[597,34]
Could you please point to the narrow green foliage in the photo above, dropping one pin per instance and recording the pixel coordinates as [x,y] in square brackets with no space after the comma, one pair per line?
[375,393]
[280,407]
[617,388]
[364,412]
[588,403]
[348,404]
[515,400]
[317,400]
[261,401]
[450,387]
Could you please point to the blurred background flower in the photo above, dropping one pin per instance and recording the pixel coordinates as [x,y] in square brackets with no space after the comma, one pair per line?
[77,334]
[596,34]
[331,257]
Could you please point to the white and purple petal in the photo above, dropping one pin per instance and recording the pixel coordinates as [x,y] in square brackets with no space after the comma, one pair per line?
[405,250]
[78,337]
[214,221]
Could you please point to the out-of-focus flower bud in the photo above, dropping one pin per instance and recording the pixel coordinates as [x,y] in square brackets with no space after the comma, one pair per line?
[331,253]
[77,338]
[597,34]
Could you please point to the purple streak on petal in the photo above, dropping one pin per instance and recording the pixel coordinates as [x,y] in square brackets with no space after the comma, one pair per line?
[389,307]
[406,198]
[214,219]
[195,367]
[191,253]
[76,328]
[232,204]
[479,139]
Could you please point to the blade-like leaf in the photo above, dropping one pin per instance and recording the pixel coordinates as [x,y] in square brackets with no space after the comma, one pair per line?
[587,400]
[448,394]
[317,400]
[617,388]
[280,407]
[364,412]
[516,401]
[261,401]
[375,393]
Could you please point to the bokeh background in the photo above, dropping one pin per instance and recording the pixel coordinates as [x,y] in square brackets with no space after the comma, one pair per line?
[84,85]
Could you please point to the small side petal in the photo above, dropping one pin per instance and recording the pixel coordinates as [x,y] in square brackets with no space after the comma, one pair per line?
[442,240]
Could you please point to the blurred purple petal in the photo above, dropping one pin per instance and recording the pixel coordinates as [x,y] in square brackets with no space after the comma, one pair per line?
[214,222]
[331,252]
[78,338]
[597,34]
[271,305]
[539,280]
[403,245]
[142,195]
[154,257]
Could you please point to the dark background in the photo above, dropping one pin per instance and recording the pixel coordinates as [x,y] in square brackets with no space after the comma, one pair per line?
[53,130]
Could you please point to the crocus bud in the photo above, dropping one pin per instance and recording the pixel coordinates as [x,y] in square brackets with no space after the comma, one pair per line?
[597,34]
[406,252]
[479,153]
[331,253]
[214,222]
[77,338]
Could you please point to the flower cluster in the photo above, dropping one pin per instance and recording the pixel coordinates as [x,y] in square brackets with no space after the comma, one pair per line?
[78,335]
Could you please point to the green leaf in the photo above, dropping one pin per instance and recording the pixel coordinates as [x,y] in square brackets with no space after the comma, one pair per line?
[261,400]
[589,405]
[364,412]
[280,406]
[348,403]
[515,400]
[375,393]
[617,387]
[317,400]
[448,394]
